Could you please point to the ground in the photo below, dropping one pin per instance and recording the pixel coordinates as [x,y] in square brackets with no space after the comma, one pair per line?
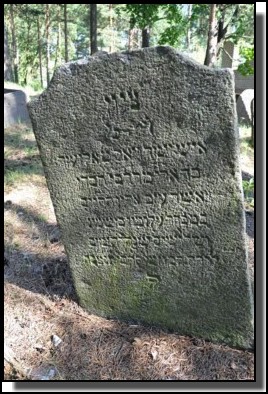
[40,302]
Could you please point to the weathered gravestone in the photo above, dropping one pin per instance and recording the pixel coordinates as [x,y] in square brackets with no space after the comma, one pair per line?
[140,152]
[15,107]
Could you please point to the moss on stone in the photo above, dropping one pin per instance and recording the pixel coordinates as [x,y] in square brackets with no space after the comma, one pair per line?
[113,291]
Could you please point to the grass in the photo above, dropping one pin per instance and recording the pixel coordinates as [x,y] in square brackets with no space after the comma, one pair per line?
[245,140]
[42,217]
[246,146]
[40,300]
[22,162]
[248,187]
[15,176]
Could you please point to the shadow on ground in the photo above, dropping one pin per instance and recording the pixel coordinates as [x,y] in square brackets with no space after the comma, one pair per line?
[15,137]
[120,352]
[43,267]
[94,348]
[250,224]
[21,154]
[21,167]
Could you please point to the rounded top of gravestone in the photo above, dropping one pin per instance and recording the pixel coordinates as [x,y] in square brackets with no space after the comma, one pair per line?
[127,59]
[127,56]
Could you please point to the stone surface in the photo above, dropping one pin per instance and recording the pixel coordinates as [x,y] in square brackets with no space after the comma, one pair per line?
[243,82]
[15,107]
[228,54]
[140,152]
[243,106]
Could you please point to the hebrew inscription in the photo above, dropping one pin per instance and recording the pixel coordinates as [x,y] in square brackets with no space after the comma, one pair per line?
[140,152]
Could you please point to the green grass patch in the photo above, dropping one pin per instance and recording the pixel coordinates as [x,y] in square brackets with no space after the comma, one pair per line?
[21,174]
[30,150]
[41,217]
[22,161]
[246,147]
[19,138]
[248,188]
[245,140]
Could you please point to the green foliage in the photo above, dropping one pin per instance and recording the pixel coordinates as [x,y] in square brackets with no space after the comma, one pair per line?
[142,15]
[174,22]
[177,28]
[113,26]
[35,84]
[243,24]
[247,54]
[248,188]
[169,36]
[182,26]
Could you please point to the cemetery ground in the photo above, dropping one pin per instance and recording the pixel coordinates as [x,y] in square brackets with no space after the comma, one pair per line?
[41,305]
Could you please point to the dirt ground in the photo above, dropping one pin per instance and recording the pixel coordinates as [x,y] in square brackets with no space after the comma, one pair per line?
[48,336]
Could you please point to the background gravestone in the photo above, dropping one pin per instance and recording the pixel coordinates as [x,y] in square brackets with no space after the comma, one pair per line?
[140,152]
[15,107]
[243,106]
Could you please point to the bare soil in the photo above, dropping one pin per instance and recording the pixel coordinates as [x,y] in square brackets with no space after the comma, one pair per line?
[40,302]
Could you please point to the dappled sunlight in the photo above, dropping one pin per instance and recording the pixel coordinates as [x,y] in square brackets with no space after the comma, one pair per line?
[22,129]
[244,132]
[167,353]
[247,164]
[27,236]
[19,142]
[94,348]
[22,161]
[25,176]
[246,151]
[27,327]
[40,299]
[34,198]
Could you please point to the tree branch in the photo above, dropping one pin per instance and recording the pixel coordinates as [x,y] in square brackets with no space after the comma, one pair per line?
[233,35]
[231,19]
[221,48]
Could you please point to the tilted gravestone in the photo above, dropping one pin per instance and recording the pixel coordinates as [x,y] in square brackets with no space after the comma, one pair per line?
[140,152]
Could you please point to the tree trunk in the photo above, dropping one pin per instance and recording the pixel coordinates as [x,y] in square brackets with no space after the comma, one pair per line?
[252,122]
[93,28]
[57,54]
[66,34]
[111,49]
[145,37]
[222,30]
[14,45]
[188,37]
[47,41]
[7,63]
[40,51]
[133,39]
[130,39]
[28,63]
[211,52]
[60,30]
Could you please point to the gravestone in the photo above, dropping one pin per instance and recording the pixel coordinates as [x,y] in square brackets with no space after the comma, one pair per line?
[228,55]
[15,107]
[243,106]
[140,152]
